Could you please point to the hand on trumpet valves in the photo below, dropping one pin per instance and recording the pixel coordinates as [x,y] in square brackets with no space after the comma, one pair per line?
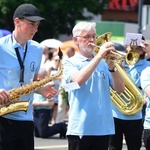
[107,50]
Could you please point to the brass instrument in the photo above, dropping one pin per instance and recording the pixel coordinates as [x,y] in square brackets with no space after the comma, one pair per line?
[117,55]
[15,104]
[131,57]
[131,100]
[100,40]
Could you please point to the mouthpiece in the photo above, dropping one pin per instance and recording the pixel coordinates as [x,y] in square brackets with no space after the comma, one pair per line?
[92,44]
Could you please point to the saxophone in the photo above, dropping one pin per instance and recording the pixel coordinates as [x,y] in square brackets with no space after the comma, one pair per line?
[15,104]
[131,100]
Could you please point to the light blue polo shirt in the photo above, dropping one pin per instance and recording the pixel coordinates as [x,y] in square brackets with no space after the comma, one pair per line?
[145,82]
[90,107]
[135,73]
[10,70]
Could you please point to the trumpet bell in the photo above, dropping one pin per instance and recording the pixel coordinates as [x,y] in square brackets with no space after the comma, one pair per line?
[101,40]
[132,57]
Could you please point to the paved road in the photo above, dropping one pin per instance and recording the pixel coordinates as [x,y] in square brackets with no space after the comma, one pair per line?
[54,143]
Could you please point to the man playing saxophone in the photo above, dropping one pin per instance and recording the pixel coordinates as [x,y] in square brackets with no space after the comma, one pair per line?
[19,65]
[130,127]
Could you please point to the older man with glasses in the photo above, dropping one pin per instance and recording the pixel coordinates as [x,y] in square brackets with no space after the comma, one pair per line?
[90,116]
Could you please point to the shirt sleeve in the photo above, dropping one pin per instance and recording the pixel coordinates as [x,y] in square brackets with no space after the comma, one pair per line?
[145,78]
[69,70]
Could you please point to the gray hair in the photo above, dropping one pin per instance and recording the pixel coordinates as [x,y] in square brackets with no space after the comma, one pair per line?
[83,26]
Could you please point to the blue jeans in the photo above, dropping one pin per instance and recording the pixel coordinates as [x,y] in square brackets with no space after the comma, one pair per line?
[41,127]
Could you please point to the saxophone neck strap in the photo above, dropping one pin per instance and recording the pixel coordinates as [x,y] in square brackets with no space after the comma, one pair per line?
[21,63]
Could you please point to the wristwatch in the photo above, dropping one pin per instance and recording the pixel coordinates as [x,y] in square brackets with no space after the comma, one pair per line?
[113,70]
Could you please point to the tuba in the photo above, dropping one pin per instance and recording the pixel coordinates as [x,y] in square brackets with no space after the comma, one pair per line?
[15,104]
[131,100]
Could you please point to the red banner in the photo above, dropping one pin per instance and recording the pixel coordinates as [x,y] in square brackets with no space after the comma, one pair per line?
[123,4]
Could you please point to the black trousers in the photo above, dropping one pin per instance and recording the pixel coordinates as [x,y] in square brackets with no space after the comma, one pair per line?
[146,138]
[88,142]
[16,135]
[132,132]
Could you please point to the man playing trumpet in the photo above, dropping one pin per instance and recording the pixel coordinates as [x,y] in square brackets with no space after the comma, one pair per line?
[90,121]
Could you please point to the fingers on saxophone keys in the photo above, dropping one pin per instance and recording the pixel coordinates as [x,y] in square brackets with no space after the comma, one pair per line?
[2,100]
[4,96]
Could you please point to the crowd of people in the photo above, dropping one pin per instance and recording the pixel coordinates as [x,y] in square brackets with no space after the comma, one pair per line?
[94,122]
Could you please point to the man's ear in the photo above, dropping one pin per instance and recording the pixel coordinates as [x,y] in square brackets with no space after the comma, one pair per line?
[17,22]
[75,40]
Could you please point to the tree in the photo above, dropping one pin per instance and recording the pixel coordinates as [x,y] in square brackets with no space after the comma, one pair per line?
[61,15]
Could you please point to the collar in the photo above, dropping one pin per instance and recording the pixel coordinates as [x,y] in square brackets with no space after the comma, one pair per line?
[15,43]
[82,58]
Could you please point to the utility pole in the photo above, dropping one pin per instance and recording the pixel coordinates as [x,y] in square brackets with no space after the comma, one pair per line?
[140,5]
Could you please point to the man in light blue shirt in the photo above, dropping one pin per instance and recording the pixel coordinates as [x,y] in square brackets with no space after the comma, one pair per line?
[19,65]
[90,117]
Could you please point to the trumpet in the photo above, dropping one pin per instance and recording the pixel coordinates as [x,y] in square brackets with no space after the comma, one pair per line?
[130,57]
[117,54]
[131,100]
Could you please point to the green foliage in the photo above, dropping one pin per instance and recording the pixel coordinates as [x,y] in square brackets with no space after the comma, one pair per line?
[64,95]
[61,15]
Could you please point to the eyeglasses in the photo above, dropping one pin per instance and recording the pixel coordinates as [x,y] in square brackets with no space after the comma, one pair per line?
[88,37]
